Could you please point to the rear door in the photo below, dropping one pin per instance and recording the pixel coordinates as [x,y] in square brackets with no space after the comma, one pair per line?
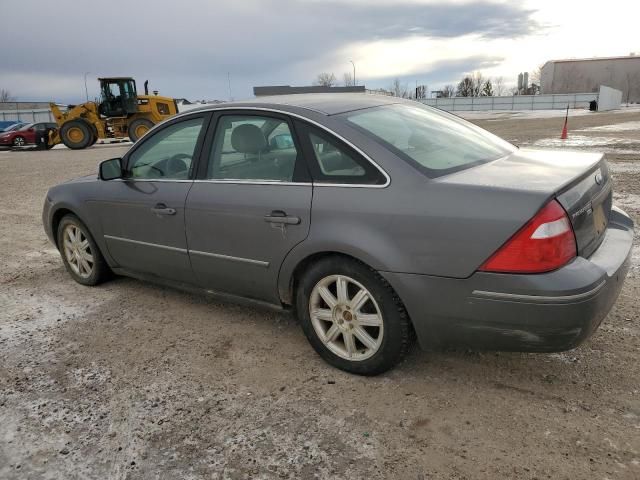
[142,215]
[250,206]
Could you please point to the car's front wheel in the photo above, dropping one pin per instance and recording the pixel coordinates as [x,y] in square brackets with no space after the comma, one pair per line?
[19,142]
[80,254]
[352,317]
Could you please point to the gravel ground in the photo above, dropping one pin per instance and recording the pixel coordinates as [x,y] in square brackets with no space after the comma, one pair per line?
[130,380]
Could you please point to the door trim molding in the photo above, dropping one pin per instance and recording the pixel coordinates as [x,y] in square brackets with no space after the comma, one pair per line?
[230,258]
[146,244]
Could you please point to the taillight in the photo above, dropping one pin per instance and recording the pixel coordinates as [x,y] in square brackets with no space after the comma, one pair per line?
[545,243]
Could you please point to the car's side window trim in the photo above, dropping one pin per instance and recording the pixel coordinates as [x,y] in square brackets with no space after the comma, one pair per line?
[206,121]
[372,176]
[301,175]
[201,174]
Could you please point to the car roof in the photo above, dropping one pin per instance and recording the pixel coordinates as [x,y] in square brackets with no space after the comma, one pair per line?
[324,103]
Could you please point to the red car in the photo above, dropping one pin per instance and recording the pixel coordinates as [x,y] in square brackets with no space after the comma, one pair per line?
[25,135]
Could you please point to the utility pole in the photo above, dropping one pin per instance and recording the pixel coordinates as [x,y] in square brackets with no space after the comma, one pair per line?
[354,73]
[229,83]
[86,92]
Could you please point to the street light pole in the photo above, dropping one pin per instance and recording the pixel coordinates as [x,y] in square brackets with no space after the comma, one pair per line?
[354,72]
[86,92]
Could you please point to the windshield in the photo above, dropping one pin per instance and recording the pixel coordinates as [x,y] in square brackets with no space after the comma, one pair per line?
[14,127]
[434,141]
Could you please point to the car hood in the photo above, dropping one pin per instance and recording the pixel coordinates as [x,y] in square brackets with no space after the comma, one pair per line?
[84,179]
[544,171]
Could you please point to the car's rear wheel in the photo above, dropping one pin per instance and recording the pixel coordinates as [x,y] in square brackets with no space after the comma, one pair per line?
[352,317]
[19,142]
[80,254]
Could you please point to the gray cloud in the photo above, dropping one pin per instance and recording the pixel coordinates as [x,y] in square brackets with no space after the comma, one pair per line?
[186,48]
[441,73]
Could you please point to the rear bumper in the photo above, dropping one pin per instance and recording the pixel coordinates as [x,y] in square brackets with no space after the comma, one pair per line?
[540,313]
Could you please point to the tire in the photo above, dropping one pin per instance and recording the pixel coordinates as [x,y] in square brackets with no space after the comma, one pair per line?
[138,127]
[98,270]
[386,345]
[76,134]
[19,141]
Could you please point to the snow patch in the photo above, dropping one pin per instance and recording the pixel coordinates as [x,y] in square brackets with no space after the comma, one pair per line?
[603,144]
[616,127]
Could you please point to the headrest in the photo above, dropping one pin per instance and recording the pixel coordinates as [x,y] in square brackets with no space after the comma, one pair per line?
[248,138]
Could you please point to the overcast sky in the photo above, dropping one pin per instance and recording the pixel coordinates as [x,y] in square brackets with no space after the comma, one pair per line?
[186,48]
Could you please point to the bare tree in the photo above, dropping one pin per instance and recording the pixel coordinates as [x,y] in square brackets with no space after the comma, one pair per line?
[5,95]
[465,87]
[325,79]
[348,79]
[487,88]
[399,89]
[478,82]
[535,76]
[498,86]
[421,91]
[448,91]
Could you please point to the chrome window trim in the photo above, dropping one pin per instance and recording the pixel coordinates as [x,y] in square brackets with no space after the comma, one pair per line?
[146,244]
[254,182]
[326,129]
[231,258]
[175,180]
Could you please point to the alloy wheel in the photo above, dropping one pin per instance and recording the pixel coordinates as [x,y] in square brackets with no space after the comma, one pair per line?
[77,251]
[19,142]
[346,317]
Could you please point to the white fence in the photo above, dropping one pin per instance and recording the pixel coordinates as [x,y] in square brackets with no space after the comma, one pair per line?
[517,102]
[28,115]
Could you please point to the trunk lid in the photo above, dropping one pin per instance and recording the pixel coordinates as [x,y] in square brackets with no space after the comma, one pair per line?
[588,204]
[580,181]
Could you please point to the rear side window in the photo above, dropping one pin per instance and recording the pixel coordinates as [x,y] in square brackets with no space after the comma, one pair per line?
[253,147]
[436,142]
[331,161]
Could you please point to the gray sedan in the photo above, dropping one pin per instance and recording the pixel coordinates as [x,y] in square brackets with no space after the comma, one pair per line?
[376,220]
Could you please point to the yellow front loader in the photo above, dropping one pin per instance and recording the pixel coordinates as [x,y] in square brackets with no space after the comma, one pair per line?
[121,113]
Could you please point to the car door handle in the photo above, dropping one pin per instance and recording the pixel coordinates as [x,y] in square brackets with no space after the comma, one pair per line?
[278,216]
[162,209]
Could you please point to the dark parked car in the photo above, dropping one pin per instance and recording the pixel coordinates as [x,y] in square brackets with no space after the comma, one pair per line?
[373,218]
[25,135]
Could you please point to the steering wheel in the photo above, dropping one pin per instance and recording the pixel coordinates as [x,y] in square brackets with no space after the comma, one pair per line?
[177,164]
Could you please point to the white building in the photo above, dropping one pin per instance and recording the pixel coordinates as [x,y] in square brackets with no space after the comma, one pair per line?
[587,74]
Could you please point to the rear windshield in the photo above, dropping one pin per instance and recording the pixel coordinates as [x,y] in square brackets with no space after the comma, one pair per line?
[434,141]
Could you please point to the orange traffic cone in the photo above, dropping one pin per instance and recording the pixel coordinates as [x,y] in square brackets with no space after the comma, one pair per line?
[565,134]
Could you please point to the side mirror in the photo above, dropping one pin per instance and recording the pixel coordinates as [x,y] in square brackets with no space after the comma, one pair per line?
[31,129]
[281,141]
[110,169]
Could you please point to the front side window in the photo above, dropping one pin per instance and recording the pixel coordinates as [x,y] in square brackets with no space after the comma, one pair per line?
[436,142]
[334,162]
[252,147]
[168,154]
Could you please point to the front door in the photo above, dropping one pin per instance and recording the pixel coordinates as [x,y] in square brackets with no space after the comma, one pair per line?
[252,206]
[143,214]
